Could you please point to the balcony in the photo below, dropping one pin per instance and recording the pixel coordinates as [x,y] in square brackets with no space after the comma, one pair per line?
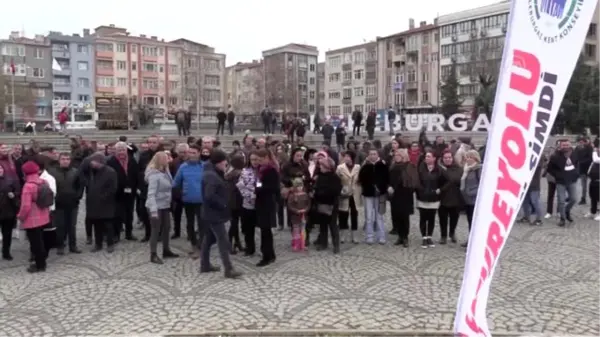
[399,58]
[411,85]
[105,54]
[105,71]
[150,74]
[149,58]
[65,71]
[149,91]
[62,87]
[61,54]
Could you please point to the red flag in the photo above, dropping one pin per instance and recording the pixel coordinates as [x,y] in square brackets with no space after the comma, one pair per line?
[12,66]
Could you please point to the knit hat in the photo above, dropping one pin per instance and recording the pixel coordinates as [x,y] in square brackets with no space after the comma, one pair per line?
[30,168]
[217,156]
[323,153]
[98,157]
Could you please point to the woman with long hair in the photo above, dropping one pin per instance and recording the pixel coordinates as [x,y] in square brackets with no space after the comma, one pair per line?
[469,184]
[158,203]
[404,180]
[428,197]
[267,192]
[246,185]
[326,192]
[450,197]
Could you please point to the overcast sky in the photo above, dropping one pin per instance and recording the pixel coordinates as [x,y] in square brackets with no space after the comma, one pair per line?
[242,29]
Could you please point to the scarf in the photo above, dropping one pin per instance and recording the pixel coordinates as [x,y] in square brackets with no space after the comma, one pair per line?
[468,168]
[414,155]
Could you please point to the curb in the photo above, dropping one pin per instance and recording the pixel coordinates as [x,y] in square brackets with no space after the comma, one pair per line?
[335,333]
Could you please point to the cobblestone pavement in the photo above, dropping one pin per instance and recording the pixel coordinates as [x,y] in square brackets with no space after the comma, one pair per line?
[547,281]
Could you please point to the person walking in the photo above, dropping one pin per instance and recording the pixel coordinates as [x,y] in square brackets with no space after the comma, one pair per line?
[215,213]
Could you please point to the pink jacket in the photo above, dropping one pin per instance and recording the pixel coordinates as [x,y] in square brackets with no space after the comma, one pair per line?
[30,214]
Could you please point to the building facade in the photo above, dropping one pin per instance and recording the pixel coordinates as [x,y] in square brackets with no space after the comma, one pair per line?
[290,74]
[473,39]
[351,80]
[32,60]
[591,47]
[321,88]
[74,82]
[204,78]
[144,69]
[408,72]
[246,87]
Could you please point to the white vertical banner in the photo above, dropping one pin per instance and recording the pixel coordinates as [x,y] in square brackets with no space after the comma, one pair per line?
[544,41]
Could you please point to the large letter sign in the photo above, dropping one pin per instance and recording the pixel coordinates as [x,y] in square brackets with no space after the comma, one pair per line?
[543,44]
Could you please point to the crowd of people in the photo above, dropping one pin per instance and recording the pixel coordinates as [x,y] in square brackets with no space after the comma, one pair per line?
[226,197]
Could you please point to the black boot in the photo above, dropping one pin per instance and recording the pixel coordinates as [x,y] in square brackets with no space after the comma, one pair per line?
[155,259]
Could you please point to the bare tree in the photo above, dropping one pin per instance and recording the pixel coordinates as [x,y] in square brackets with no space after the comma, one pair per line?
[485,55]
[23,100]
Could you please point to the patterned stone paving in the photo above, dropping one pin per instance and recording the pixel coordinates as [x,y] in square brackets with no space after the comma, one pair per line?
[547,282]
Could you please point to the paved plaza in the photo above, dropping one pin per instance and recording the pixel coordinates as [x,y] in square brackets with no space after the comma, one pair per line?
[547,281]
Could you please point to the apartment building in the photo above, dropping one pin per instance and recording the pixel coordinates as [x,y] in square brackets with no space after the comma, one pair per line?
[474,39]
[143,68]
[32,60]
[74,82]
[591,47]
[351,80]
[246,87]
[291,78]
[321,88]
[204,78]
[408,72]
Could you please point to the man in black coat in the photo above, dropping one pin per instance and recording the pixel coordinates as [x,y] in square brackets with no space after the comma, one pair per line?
[101,201]
[127,170]
[583,152]
[230,120]
[221,117]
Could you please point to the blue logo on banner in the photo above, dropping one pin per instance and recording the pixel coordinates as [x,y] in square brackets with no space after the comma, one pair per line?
[553,20]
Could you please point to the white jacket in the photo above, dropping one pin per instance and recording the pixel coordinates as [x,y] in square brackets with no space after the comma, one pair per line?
[51,183]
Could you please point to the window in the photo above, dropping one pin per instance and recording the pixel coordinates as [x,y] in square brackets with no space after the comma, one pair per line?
[311,80]
[334,95]
[104,64]
[105,82]
[360,91]
[84,98]
[311,67]
[334,110]
[134,48]
[212,80]
[412,76]
[121,65]
[347,58]
[150,100]
[425,96]
[347,93]
[425,39]
[161,68]
[359,107]
[334,62]
[311,94]
[371,91]
[359,57]
[425,76]
[39,92]
[434,57]
[134,66]
[359,74]
[302,88]
[212,95]
[161,84]
[592,30]
[173,85]
[38,53]
[589,51]
[348,75]
[134,82]
[311,108]
[173,69]
[371,75]
[13,50]
[347,109]
[172,100]
[149,83]
[150,67]
[61,80]
[335,77]
[83,83]
[302,76]
[149,51]
[37,72]
[121,82]
[212,65]
[82,48]
[371,107]
[372,55]
[121,48]
[82,65]
[104,47]
[40,111]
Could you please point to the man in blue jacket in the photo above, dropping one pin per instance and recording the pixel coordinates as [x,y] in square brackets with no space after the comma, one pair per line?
[188,181]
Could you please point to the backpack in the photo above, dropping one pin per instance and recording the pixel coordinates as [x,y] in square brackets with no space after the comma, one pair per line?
[45,196]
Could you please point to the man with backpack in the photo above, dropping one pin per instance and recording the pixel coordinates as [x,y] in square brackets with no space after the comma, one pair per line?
[34,214]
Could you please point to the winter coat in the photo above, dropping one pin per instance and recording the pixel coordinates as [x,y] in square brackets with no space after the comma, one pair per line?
[101,192]
[404,180]
[235,197]
[216,190]
[267,190]
[450,194]
[160,186]
[373,178]
[9,206]
[30,214]
[350,186]
[189,180]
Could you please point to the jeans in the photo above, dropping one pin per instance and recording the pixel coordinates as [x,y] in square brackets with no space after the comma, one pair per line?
[562,191]
[193,213]
[215,233]
[583,181]
[427,221]
[160,225]
[65,220]
[550,197]
[372,215]
[230,125]
[531,201]
[448,219]
[177,212]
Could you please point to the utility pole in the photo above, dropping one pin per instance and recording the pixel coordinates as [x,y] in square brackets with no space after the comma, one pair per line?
[12,104]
